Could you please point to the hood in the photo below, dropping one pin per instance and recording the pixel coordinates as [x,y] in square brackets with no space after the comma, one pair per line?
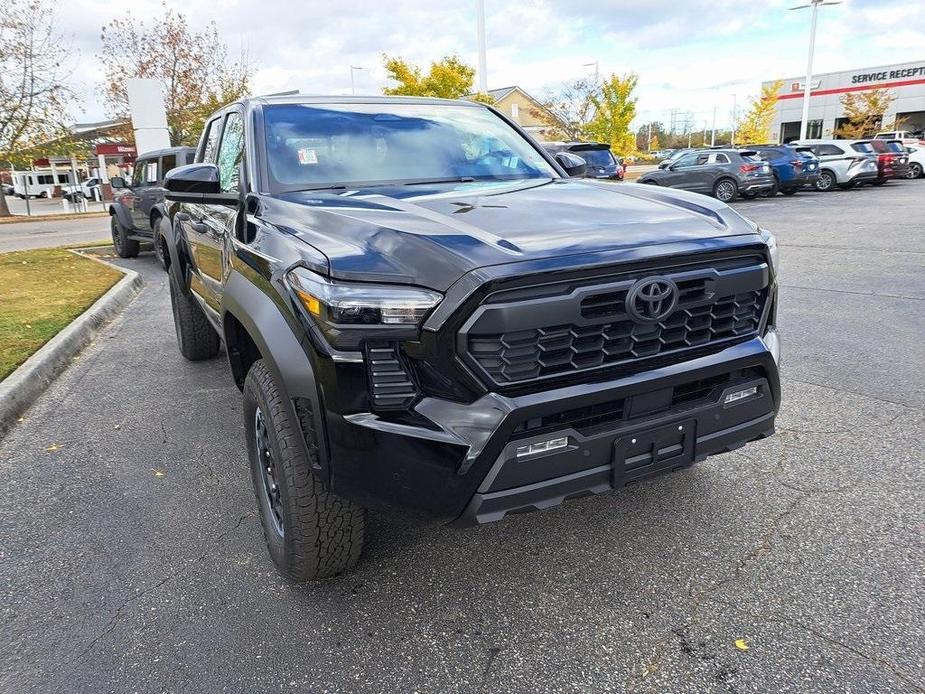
[431,235]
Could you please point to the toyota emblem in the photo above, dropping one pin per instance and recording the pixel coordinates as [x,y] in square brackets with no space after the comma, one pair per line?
[652,299]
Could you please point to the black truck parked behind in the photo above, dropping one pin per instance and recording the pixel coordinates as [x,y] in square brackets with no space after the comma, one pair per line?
[423,310]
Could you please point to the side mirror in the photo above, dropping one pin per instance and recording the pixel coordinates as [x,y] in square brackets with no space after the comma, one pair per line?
[197,183]
[117,182]
[664,164]
[574,165]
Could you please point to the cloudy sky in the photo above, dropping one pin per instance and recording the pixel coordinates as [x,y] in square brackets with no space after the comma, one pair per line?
[689,54]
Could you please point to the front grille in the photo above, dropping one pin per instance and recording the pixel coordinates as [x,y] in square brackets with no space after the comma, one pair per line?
[715,307]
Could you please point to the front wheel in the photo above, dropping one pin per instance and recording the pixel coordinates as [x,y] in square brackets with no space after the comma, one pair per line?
[310,532]
[125,247]
[825,182]
[196,337]
[915,170]
[725,190]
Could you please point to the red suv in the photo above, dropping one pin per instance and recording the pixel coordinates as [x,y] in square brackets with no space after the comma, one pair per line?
[892,160]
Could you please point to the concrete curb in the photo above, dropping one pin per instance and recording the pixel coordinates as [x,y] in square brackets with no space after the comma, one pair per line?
[25,384]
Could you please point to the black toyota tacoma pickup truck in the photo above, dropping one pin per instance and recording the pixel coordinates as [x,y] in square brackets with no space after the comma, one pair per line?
[424,311]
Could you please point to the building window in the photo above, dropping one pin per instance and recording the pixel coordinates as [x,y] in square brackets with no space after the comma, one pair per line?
[515,111]
[791,131]
[839,122]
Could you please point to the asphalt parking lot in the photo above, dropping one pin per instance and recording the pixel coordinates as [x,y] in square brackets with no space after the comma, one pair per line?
[132,559]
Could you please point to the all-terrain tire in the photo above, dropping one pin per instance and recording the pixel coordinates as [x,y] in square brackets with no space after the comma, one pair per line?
[196,337]
[310,532]
[125,247]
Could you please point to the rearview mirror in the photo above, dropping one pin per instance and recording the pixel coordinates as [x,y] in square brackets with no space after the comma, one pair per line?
[574,165]
[197,183]
[117,182]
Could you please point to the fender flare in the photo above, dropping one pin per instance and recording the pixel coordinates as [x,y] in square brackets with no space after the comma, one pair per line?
[120,213]
[292,367]
[179,256]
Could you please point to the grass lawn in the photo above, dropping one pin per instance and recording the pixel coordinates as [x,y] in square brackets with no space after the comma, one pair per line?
[41,291]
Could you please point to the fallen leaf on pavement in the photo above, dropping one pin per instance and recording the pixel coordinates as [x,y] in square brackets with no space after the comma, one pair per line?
[741,644]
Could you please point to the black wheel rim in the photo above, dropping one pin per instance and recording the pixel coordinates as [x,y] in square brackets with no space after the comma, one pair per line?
[267,463]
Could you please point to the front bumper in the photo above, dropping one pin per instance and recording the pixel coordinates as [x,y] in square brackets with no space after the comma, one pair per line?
[459,462]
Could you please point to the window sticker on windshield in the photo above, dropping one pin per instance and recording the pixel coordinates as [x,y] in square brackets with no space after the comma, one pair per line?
[307,156]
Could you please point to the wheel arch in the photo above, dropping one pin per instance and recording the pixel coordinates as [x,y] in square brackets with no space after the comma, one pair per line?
[121,214]
[254,328]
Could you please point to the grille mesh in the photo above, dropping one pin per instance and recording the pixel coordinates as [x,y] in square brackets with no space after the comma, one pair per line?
[523,355]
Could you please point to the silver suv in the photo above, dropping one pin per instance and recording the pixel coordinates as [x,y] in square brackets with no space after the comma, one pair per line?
[840,164]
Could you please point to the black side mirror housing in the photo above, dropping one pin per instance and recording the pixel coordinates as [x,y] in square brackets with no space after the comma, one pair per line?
[117,182]
[574,165]
[197,183]
[663,164]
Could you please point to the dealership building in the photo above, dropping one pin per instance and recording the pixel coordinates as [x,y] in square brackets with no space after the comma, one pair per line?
[905,80]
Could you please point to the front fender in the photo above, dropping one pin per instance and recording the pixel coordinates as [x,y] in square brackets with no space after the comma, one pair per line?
[123,215]
[292,368]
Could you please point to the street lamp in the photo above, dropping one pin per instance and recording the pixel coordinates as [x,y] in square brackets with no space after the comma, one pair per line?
[814,5]
[353,86]
[597,70]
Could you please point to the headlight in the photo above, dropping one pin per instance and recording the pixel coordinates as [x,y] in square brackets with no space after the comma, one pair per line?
[773,251]
[345,305]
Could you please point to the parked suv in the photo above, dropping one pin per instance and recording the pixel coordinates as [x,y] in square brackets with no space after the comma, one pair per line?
[600,160]
[892,160]
[791,169]
[424,311]
[840,164]
[723,173]
[137,210]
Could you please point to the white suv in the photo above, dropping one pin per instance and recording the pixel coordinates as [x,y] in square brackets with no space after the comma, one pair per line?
[839,164]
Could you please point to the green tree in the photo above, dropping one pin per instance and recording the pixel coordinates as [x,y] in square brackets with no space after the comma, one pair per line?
[449,78]
[568,111]
[614,110]
[755,126]
[193,68]
[864,112]
[34,96]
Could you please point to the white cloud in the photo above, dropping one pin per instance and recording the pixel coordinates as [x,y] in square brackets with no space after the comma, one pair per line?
[690,55]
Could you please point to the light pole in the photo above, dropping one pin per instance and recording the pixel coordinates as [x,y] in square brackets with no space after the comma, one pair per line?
[353,86]
[483,60]
[814,6]
[597,70]
[735,109]
[713,132]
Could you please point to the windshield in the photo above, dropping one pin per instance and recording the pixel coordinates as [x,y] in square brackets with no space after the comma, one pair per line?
[597,158]
[323,145]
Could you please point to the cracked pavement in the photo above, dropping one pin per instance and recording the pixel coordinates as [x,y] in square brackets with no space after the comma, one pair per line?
[131,558]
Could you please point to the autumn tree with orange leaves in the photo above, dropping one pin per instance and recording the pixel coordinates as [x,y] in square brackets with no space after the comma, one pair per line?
[193,68]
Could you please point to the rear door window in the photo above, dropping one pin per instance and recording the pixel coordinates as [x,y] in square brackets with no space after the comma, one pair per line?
[168,162]
[827,150]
